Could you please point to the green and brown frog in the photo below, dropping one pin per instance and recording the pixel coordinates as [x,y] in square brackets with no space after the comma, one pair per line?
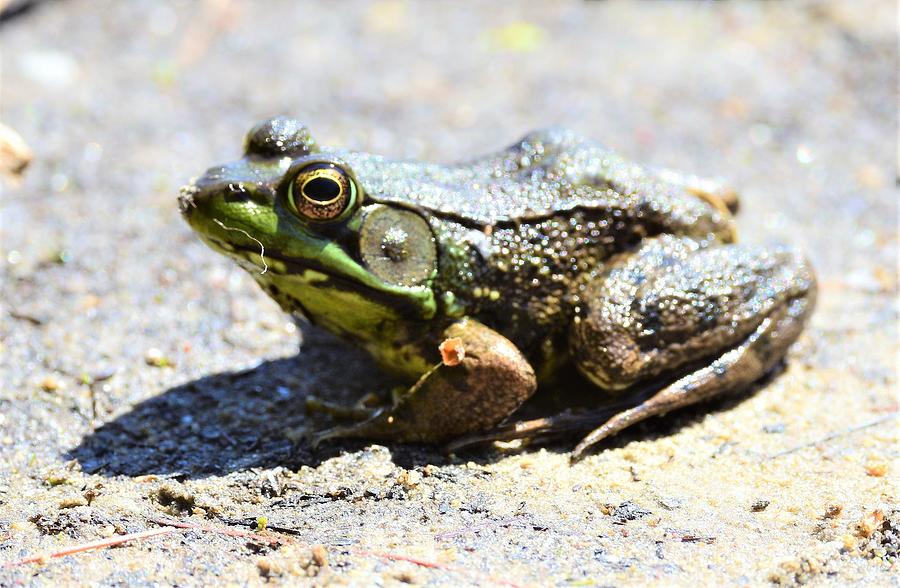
[554,252]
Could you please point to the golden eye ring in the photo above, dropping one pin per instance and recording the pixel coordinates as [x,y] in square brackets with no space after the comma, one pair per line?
[322,192]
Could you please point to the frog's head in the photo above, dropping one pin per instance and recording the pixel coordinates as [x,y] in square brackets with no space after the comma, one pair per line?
[297,218]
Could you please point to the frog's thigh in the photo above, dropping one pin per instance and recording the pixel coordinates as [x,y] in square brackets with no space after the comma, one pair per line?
[708,320]
[488,385]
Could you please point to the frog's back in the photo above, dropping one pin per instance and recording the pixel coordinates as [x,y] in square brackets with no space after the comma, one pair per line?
[547,174]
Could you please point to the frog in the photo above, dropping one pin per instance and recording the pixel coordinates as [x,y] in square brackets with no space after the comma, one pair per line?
[476,283]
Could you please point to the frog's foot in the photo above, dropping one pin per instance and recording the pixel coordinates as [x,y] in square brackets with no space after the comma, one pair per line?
[564,424]
[484,382]
[672,304]
[362,410]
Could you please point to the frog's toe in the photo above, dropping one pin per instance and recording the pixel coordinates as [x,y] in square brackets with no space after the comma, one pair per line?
[376,428]
[317,439]
[358,412]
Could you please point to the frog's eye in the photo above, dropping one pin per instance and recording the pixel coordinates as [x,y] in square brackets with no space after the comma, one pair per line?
[322,191]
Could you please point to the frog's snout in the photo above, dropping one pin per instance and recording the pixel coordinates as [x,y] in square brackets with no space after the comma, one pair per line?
[200,191]
[218,191]
[202,194]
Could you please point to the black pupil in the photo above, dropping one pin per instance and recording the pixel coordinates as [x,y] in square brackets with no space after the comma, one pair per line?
[322,189]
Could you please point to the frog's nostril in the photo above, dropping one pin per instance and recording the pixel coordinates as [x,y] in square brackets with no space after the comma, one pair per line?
[234,192]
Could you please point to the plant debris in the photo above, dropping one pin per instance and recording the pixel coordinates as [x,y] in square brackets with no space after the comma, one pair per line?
[452,350]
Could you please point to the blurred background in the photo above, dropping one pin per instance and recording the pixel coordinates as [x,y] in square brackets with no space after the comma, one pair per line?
[116,323]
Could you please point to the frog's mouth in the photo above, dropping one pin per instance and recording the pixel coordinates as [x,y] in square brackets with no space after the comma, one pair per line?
[260,263]
[257,259]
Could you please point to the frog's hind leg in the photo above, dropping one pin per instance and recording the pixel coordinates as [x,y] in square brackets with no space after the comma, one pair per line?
[724,314]
[736,369]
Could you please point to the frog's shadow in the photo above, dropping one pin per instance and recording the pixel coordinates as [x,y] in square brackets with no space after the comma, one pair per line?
[255,418]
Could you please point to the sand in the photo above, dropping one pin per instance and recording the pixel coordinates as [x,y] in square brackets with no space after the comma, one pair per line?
[144,376]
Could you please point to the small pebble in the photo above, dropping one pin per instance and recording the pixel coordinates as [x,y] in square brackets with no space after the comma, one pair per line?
[72,502]
[869,524]
[320,555]
[760,505]
[849,542]
[155,357]
[51,384]
[268,568]
[409,479]
[15,155]
[876,468]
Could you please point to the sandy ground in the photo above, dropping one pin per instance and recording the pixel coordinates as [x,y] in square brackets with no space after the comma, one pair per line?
[143,376]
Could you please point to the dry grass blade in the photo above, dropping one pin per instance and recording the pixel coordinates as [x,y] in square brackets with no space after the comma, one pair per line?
[221,531]
[836,435]
[91,545]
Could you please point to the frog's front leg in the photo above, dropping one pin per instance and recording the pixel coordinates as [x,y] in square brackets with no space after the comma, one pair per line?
[487,385]
[704,319]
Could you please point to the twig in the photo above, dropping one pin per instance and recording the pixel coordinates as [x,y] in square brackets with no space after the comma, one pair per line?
[100,544]
[836,434]
[168,526]
[221,531]
[434,565]
[24,316]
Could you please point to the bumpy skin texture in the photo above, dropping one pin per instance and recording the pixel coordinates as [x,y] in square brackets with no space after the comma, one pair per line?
[556,248]
[673,301]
